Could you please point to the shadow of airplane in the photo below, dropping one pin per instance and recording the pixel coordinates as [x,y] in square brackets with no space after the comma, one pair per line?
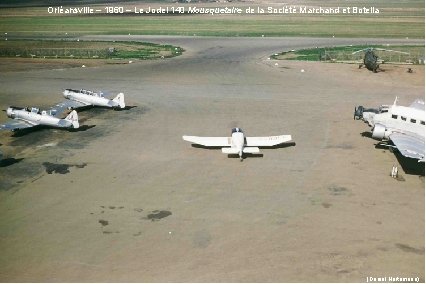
[85,108]
[206,147]
[9,161]
[251,155]
[26,131]
[246,155]
[125,108]
[286,145]
[81,128]
[290,144]
[410,166]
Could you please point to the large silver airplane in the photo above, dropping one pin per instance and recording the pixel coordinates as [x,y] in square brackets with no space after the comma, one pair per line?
[403,126]
[24,118]
[82,98]
[238,143]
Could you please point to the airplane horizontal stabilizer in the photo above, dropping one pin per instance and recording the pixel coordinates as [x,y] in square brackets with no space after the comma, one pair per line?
[230,150]
[251,150]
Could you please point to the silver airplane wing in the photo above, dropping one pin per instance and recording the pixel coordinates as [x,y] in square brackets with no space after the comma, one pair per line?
[15,124]
[267,141]
[409,145]
[209,141]
[418,104]
[59,109]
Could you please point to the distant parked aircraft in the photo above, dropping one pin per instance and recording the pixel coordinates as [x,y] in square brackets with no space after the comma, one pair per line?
[82,98]
[238,143]
[25,118]
[403,126]
[371,61]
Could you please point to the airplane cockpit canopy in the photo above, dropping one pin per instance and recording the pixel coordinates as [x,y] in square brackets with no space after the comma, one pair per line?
[236,129]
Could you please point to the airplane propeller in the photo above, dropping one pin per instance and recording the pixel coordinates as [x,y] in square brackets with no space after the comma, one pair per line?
[358,111]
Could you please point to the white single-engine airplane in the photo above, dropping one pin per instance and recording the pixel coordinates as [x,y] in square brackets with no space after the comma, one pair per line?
[25,118]
[238,143]
[403,126]
[82,98]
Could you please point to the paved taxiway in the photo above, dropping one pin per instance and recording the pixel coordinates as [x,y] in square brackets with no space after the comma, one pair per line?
[140,204]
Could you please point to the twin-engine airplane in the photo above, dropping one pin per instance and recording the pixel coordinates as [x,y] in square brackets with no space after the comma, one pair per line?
[238,143]
[83,98]
[403,126]
[25,118]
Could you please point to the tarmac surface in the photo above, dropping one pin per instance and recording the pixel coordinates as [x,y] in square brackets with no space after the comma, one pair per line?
[126,199]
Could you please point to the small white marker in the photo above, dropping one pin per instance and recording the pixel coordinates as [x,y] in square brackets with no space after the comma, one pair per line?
[83,66]
[303,70]
[170,233]
[130,61]
[276,64]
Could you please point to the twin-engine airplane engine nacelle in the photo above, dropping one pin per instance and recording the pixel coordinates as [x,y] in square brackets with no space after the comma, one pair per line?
[379,131]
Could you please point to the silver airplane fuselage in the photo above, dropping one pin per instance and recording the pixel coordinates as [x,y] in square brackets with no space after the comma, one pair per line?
[90,98]
[237,141]
[398,119]
[35,117]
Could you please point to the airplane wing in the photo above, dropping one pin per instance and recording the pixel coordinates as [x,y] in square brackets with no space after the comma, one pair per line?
[59,109]
[15,124]
[267,141]
[418,104]
[209,141]
[409,145]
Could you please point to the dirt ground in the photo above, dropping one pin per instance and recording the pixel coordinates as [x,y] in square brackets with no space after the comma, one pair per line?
[128,200]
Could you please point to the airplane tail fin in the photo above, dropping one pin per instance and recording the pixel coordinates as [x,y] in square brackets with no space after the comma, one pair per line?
[73,117]
[120,100]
